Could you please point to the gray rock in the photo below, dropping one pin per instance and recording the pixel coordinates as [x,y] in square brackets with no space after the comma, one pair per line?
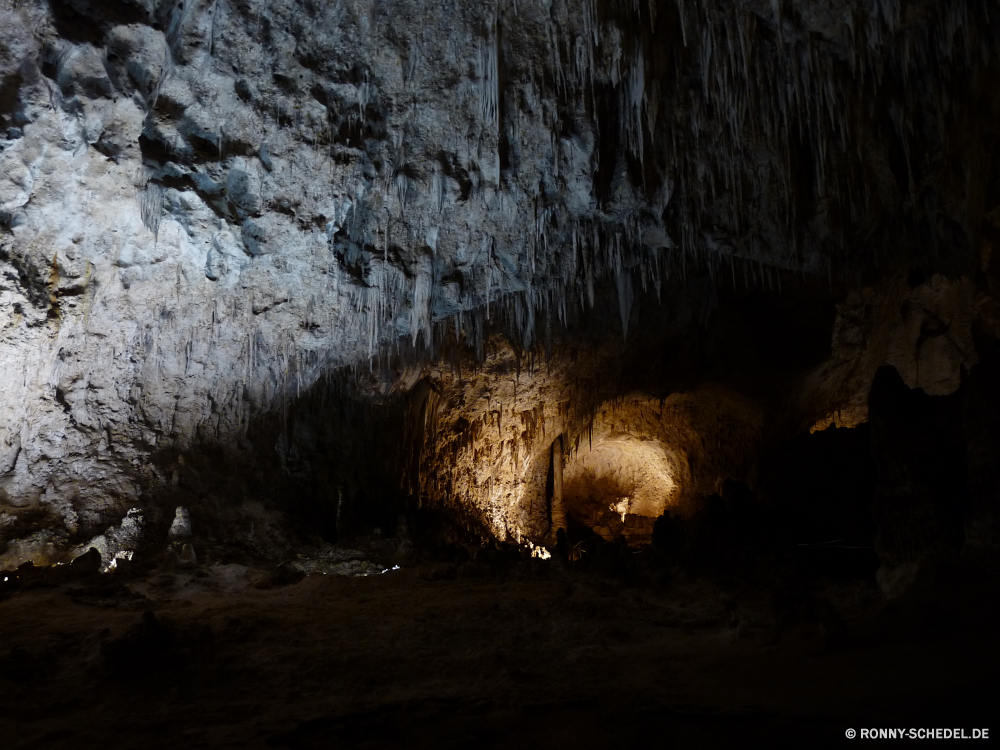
[187,558]
[181,526]
[474,148]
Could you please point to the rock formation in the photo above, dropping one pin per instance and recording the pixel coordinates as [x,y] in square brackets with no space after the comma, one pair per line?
[651,239]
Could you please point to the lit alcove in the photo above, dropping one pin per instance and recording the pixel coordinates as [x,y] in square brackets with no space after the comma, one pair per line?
[620,485]
[640,456]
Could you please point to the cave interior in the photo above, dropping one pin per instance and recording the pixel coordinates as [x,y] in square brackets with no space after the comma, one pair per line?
[539,373]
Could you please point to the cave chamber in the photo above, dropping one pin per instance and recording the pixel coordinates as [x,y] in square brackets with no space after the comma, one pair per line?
[426,369]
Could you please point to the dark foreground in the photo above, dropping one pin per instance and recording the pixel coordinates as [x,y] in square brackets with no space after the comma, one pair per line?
[540,657]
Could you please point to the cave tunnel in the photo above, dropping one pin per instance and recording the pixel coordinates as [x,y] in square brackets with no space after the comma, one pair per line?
[549,373]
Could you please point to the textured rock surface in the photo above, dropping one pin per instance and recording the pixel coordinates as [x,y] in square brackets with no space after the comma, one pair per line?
[206,205]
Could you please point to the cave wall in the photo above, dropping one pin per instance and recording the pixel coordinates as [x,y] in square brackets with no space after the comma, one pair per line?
[206,206]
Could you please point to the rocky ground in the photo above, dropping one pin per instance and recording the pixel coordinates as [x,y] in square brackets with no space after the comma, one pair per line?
[491,652]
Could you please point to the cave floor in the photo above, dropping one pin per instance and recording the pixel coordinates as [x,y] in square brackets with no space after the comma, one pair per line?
[228,659]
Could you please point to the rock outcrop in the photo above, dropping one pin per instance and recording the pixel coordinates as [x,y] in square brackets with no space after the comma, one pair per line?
[208,205]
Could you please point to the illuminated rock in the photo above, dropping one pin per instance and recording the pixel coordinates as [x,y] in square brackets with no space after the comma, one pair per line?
[181,526]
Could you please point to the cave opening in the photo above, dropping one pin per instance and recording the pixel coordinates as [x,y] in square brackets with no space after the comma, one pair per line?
[619,487]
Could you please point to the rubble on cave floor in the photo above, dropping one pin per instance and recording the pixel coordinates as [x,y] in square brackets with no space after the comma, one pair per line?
[331,560]
[245,655]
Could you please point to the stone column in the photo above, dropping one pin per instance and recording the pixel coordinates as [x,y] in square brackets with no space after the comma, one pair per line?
[558,509]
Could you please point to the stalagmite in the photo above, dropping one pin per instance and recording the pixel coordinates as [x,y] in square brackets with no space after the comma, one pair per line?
[558,508]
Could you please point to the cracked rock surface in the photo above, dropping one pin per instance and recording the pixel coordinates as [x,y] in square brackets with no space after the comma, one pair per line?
[205,205]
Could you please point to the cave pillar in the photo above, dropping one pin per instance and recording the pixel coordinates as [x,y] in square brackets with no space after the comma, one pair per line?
[558,509]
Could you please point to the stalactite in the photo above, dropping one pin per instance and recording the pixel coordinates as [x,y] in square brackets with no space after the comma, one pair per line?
[725,113]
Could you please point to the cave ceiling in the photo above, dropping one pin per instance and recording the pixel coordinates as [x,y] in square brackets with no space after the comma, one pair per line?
[527,215]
